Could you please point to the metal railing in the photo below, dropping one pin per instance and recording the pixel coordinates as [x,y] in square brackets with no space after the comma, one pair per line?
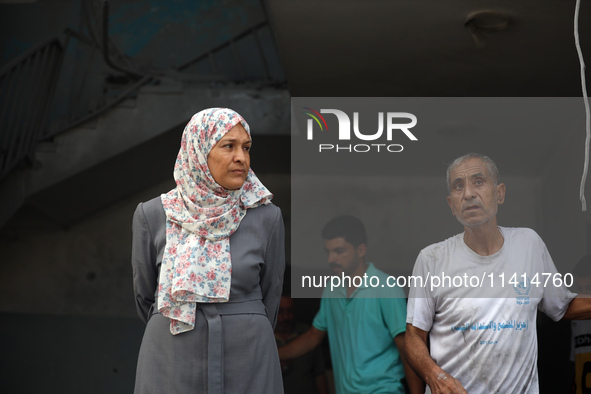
[27,85]
[54,87]
[232,43]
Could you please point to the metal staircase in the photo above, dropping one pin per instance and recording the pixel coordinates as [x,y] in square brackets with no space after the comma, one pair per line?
[77,118]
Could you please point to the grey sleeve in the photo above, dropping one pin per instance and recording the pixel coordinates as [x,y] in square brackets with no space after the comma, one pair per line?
[143,262]
[272,272]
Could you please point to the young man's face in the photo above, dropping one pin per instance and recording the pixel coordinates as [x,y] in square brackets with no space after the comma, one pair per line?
[343,257]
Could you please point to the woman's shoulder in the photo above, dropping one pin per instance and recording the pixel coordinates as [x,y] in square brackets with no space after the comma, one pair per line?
[269,209]
[266,214]
[152,210]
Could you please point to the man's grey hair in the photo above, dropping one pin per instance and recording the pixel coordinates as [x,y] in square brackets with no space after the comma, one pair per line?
[490,164]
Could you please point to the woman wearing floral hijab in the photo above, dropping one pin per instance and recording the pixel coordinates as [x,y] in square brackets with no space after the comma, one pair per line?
[208,261]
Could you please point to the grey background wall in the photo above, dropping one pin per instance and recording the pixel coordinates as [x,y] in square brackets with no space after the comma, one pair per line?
[84,270]
[67,317]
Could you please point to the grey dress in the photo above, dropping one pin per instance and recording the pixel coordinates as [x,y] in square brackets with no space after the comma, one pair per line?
[232,347]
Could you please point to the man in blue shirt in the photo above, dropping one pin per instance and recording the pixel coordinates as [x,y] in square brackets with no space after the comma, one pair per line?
[365,323]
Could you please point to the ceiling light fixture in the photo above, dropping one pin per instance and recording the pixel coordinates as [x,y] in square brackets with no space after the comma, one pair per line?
[479,22]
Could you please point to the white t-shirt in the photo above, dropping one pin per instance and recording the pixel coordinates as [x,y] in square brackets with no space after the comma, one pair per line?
[482,323]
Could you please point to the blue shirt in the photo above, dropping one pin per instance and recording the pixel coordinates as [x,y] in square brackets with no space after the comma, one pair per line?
[361,331]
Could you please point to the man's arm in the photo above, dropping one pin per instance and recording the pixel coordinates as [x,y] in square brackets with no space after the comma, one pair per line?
[321,384]
[302,344]
[415,384]
[578,309]
[438,380]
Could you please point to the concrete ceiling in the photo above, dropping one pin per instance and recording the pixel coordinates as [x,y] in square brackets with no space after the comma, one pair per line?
[422,48]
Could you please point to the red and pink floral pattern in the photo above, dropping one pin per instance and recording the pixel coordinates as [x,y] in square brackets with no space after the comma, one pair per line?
[200,217]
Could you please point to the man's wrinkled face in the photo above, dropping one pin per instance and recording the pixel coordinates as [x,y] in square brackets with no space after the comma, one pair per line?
[474,198]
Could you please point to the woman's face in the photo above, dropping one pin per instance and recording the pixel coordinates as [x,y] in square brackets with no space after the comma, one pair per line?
[229,159]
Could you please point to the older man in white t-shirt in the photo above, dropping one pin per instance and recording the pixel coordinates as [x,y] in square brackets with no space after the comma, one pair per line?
[480,292]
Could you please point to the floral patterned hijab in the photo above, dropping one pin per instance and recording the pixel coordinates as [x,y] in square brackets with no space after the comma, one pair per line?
[200,217]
